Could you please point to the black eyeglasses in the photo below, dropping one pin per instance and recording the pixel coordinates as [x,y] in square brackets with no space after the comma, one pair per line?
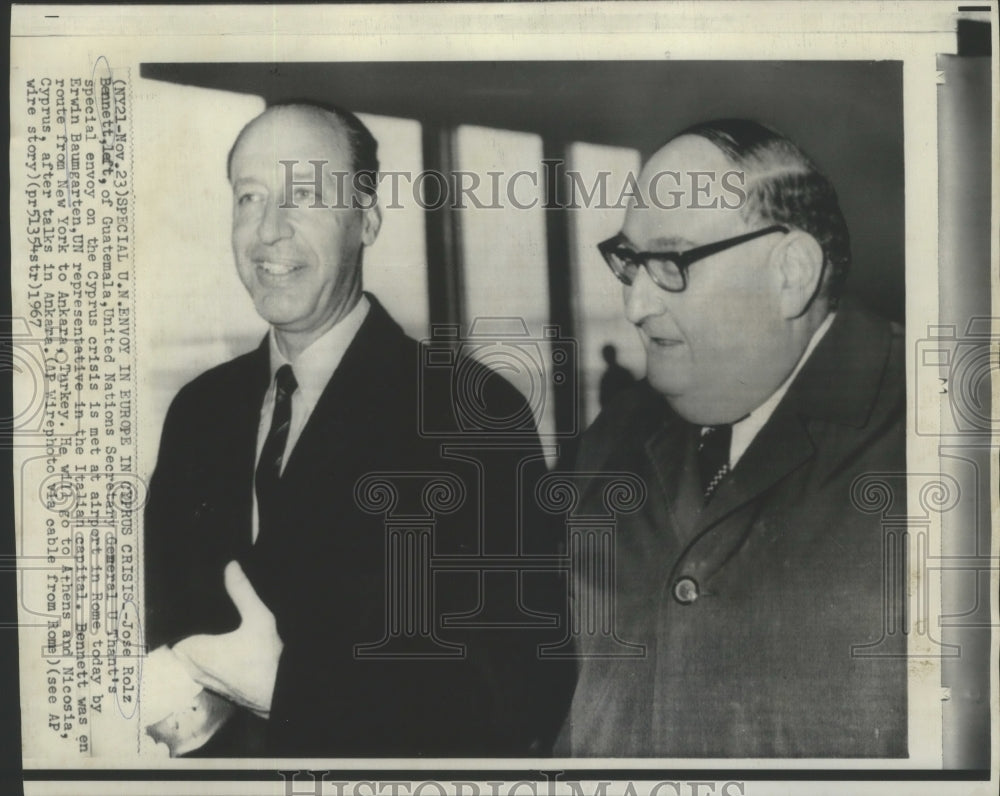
[667,269]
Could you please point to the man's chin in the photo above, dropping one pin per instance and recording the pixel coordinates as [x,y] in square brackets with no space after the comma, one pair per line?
[692,405]
[280,312]
[667,384]
[699,409]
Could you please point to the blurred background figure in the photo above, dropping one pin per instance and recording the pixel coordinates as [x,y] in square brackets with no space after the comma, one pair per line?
[616,378]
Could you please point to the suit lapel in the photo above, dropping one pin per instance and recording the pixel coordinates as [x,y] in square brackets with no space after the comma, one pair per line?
[238,445]
[258,380]
[353,393]
[326,460]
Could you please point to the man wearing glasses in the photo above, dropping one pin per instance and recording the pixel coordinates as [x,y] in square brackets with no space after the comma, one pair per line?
[751,612]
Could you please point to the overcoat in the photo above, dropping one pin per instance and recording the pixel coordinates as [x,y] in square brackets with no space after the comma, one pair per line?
[770,622]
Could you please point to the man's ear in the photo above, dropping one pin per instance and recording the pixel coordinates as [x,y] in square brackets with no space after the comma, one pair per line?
[800,264]
[371,220]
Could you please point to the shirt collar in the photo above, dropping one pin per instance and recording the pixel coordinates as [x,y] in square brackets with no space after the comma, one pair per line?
[746,429]
[316,364]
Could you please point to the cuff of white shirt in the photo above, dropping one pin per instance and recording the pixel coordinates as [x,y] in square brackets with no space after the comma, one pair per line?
[179,715]
[166,686]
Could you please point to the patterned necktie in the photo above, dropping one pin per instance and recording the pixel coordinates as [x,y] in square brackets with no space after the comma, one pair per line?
[713,457]
[271,455]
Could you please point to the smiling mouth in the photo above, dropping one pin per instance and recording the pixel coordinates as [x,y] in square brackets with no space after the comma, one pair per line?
[274,269]
[662,342]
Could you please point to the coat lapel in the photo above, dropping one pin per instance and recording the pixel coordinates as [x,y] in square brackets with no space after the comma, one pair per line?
[671,453]
[838,385]
[250,388]
[326,460]
[779,448]
[355,391]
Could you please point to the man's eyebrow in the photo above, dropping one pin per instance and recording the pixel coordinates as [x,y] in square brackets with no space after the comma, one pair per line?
[303,171]
[670,243]
[244,181]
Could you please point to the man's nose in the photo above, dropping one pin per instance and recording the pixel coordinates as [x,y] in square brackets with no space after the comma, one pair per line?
[273,223]
[643,298]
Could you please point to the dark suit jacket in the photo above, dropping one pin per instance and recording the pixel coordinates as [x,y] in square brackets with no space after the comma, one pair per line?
[770,659]
[324,573]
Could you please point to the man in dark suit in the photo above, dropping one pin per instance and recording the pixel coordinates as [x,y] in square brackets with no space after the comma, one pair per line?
[764,617]
[269,568]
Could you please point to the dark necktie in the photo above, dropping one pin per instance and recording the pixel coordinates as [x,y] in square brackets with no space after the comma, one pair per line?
[713,457]
[273,452]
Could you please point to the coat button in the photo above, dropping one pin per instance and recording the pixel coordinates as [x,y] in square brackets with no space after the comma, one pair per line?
[685,590]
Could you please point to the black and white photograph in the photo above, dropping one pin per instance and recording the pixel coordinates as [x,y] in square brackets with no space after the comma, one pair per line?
[791,567]
[472,398]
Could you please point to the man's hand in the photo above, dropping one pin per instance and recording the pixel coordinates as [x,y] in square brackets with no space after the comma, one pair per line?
[179,714]
[192,727]
[241,665]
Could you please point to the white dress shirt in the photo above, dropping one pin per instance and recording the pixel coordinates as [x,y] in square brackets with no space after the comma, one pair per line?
[313,370]
[746,429]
